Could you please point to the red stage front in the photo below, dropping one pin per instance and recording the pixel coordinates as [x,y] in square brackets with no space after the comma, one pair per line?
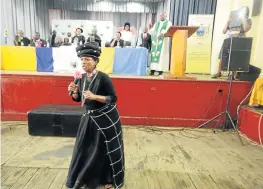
[250,122]
[141,101]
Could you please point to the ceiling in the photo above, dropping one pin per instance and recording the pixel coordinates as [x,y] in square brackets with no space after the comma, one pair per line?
[141,1]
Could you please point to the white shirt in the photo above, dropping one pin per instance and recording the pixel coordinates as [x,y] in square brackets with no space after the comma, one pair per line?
[127,35]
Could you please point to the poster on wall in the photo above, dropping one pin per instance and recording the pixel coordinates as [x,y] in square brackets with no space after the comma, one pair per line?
[199,50]
[104,28]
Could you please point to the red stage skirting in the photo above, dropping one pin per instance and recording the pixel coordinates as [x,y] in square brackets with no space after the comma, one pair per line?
[250,123]
[141,101]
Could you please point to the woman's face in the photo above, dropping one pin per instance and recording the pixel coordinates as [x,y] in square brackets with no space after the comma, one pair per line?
[78,32]
[88,64]
[127,28]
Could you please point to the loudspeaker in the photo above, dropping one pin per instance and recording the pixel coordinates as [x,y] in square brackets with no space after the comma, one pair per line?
[252,75]
[236,54]
[55,120]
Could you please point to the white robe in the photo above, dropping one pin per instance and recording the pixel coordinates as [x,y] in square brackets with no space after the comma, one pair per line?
[163,65]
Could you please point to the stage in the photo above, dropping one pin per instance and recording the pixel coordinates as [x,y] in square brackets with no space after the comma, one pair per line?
[142,100]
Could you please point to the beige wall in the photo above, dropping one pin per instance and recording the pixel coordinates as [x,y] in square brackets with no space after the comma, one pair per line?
[223,9]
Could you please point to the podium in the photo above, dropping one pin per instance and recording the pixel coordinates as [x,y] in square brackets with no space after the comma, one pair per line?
[179,36]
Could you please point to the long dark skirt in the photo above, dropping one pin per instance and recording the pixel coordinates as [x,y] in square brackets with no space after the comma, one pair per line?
[91,163]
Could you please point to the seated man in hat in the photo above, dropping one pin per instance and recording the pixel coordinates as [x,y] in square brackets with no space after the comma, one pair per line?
[78,38]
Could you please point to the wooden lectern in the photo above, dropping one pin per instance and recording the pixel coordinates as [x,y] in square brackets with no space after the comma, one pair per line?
[179,36]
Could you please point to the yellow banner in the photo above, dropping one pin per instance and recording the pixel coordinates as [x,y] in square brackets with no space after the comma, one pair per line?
[106,60]
[18,58]
[199,44]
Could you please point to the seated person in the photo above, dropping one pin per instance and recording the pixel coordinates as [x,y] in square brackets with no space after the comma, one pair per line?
[117,41]
[79,38]
[52,38]
[69,37]
[37,42]
[127,35]
[94,34]
[20,40]
[66,42]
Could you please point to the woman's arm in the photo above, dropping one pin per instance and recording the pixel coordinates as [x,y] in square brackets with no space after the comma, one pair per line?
[226,27]
[151,29]
[108,89]
[112,42]
[247,25]
[100,98]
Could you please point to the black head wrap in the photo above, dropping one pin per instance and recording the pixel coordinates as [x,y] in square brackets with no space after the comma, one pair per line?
[89,49]
[81,30]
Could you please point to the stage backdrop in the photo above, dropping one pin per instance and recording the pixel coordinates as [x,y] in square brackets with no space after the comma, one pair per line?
[104,28]
[199,44]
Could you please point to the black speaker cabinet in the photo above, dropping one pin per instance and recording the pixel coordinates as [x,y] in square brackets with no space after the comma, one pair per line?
[54,120]
[236,54]
[252,75]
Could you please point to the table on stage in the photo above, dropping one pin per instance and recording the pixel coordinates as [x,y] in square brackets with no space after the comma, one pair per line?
[128,61]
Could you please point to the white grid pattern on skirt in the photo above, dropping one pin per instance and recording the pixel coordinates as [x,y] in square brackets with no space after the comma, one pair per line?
[119,147]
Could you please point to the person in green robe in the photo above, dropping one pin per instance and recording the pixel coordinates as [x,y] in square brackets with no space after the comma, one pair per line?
[159,57]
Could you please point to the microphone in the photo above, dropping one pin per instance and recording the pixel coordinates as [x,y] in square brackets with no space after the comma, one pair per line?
[77,77]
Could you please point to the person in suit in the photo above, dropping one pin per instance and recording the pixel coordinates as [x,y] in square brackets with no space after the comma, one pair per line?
[37,41]
[96,36]
[52,38]
[146,39]
[117,41]
[20,40]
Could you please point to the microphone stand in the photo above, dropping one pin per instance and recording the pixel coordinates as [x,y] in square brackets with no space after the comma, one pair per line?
[226,113]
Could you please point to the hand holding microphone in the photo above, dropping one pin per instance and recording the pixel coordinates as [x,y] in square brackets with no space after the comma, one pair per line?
[73,87]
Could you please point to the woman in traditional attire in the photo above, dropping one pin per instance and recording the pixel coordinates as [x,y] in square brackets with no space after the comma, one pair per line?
[127,35]
[78,38]
[98,156]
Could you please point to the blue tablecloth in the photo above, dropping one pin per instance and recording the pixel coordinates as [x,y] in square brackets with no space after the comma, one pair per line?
[44,59]
[130,61]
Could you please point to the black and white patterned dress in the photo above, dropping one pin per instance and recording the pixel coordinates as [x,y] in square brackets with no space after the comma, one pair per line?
[98,156]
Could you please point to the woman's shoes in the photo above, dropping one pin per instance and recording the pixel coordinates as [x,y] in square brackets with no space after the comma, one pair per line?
[216,76]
